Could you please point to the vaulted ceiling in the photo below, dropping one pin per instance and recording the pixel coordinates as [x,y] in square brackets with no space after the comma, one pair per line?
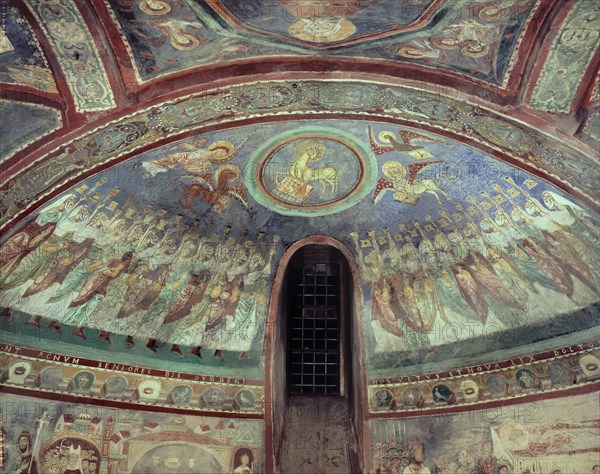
[68,68]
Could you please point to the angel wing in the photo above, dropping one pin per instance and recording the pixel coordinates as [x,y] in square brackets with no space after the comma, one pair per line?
[383,185]
[376,147]
[191,145]
[206,179]
[239,192]
[414,168]
[408,137]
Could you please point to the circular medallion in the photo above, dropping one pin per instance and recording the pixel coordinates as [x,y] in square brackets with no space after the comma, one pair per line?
[590,365]
[497,385]
[525,378]
[559,373]
[311,172]
[181,395]
[245,399]
[383,398]
[412,396]
[322,29]
[83,380]
[441,393]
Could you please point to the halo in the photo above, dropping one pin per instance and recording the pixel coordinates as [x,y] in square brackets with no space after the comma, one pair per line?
[150,7]
[221,144]
[232,168]
[305,146]
[389,166]
[445,42]
[387,137]
[476,50]
[411,52]
[191,43]
[302,29]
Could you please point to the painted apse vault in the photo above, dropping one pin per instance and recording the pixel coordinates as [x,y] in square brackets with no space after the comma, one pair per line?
[171,255]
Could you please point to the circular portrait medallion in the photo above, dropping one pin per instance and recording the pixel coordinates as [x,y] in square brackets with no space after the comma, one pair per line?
[311,171]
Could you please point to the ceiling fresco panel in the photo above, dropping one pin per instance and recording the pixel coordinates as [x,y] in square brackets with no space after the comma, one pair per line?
[172,248]
[21,59]
[324,22]
[76,52]
[479,42]
[34,122]
[167,37]
[570,55]
[596,91]
[592,126]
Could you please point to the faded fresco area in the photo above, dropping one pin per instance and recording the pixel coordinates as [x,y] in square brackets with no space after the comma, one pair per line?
[21,59]
[42,436]
[34,121]
[527,438]
[179,246]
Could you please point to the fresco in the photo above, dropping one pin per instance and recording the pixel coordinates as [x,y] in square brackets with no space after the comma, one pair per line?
[108,143]
[323,22]
[518,377]
[21,58]
[35,121]
[285,174]
[165,37]
[568,59]
[592,126]
[58,437]
[480,42]
[191,391]
[170,247]
[533,437]
[76,53]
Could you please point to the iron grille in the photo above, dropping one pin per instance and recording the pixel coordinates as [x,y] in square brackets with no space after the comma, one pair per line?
[314,330]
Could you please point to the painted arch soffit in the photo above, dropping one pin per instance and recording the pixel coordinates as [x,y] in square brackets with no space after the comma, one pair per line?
[77,54]
[568,60]
[119,139]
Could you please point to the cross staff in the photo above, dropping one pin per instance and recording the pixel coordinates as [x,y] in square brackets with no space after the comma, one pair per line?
[509,180]
[510,240]
[112,193]
[92,190]
[130,200]
[42,421]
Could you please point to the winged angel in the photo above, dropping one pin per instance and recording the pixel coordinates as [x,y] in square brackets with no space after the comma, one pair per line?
[214,181]
[405,183]
[407,189]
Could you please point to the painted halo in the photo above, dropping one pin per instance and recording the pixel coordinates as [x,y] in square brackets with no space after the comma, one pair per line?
[311,171]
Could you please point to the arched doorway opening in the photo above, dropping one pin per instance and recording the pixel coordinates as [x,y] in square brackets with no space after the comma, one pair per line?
[317,306]
[314,375]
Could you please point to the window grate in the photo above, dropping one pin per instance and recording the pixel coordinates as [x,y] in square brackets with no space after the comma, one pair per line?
[314,331]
